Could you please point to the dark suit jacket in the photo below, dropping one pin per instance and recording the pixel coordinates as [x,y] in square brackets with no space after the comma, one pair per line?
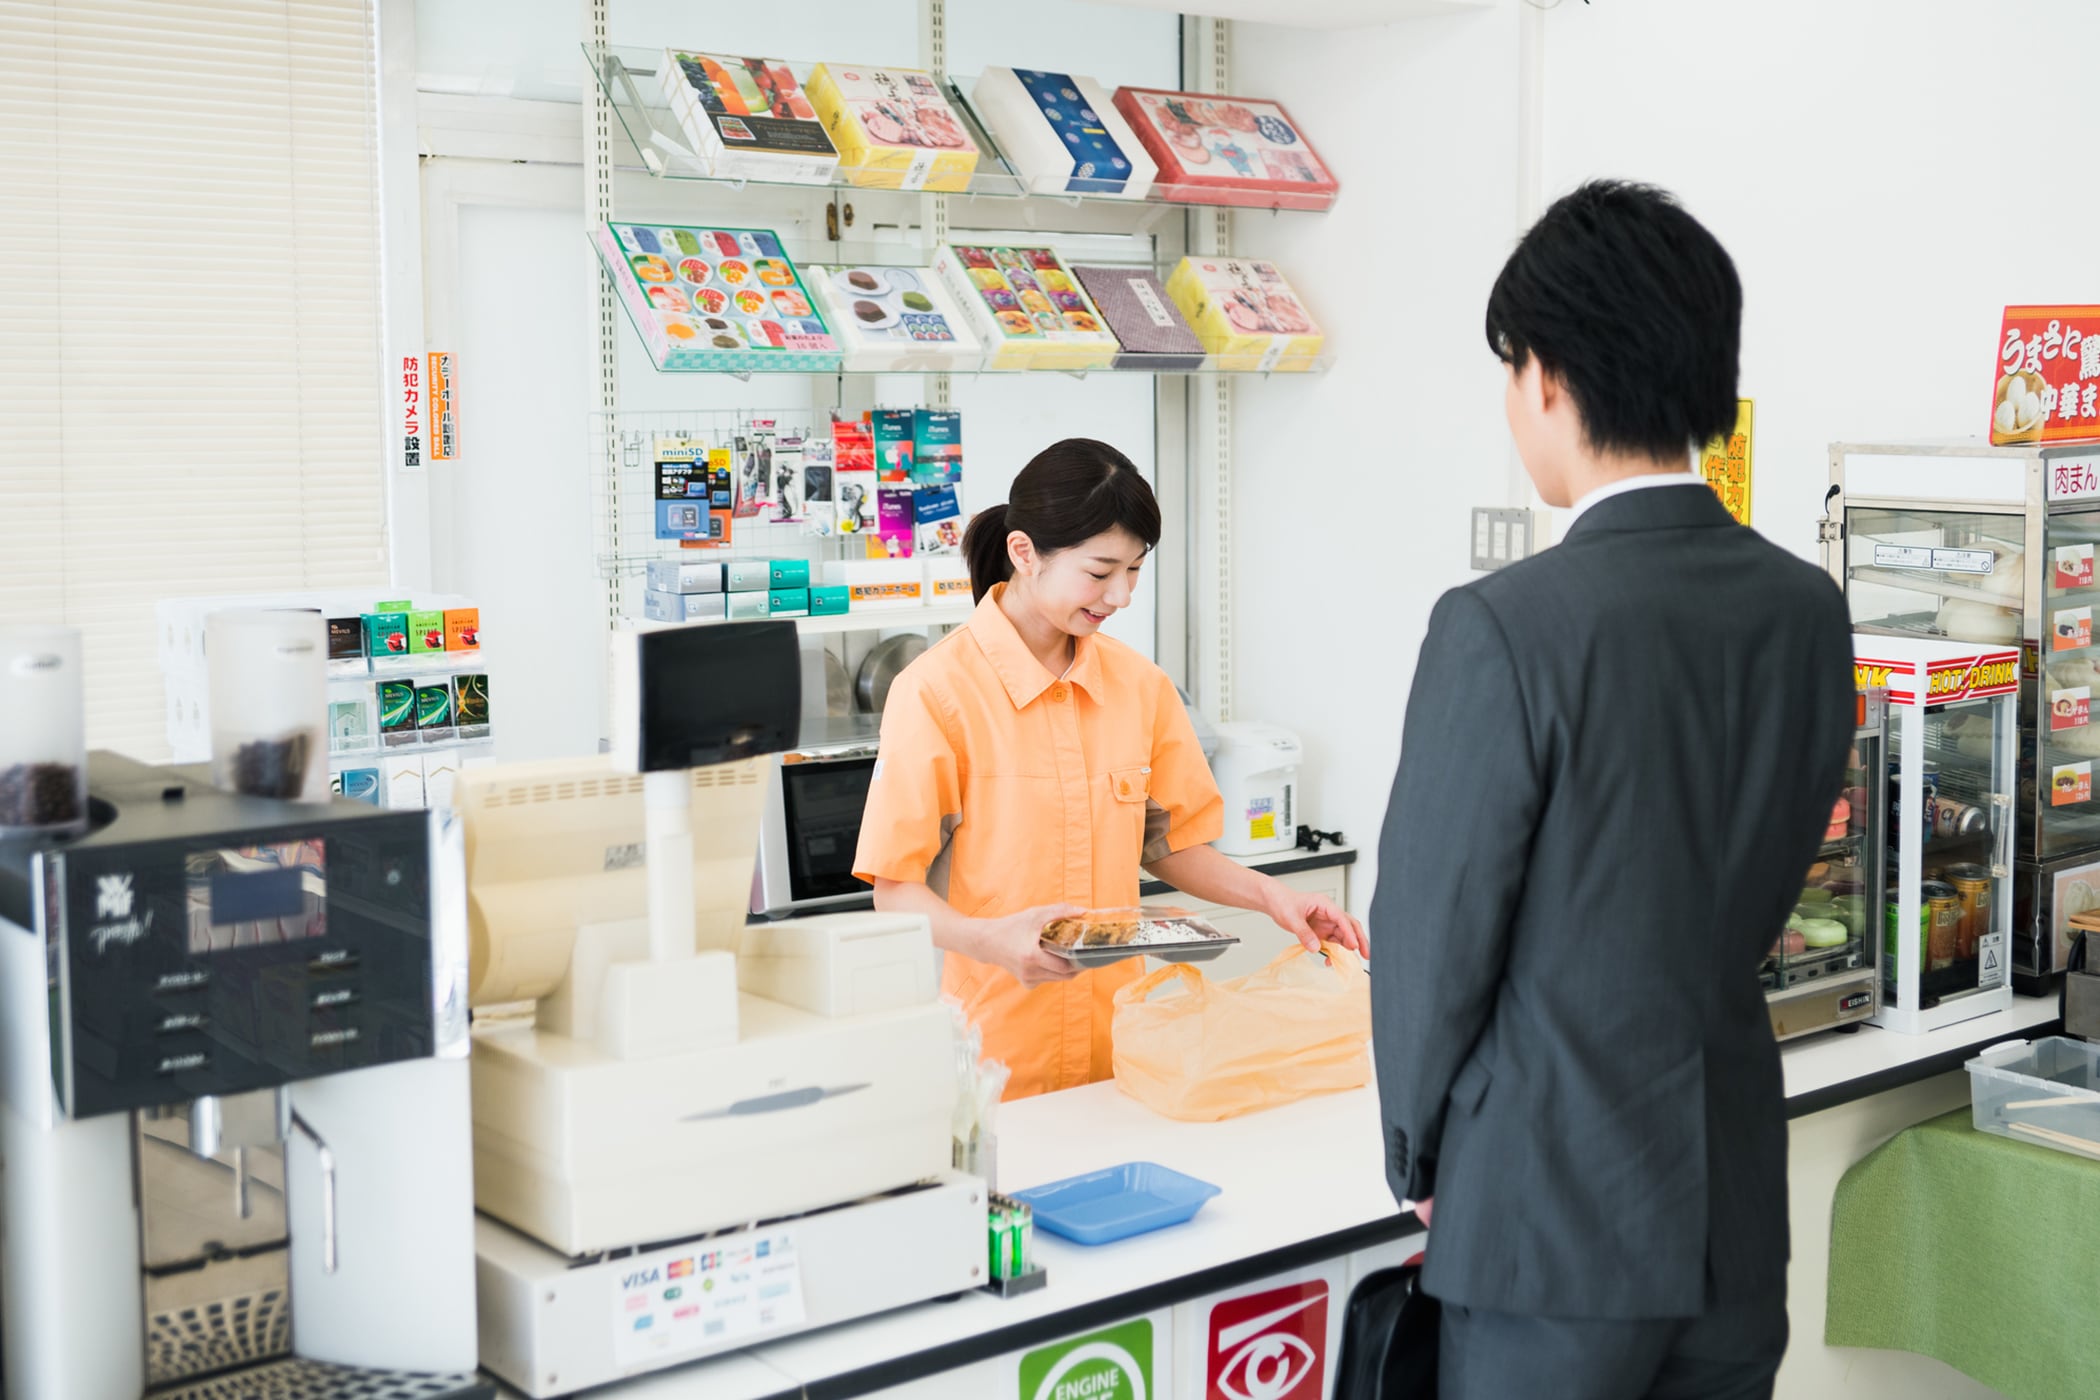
[1619,761]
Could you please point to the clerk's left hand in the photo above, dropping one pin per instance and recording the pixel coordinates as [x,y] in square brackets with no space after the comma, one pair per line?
[1316,919]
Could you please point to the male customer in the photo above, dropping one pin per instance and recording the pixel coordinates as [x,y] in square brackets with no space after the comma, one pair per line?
[1619,758]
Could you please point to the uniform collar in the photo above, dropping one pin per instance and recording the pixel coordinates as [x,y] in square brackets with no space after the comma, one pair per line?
[1018,670]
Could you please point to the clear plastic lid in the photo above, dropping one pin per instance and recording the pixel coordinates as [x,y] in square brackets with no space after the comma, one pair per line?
[268,670]
[43,732]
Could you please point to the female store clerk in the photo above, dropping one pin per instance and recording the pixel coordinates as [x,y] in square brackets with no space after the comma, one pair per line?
[1030,766]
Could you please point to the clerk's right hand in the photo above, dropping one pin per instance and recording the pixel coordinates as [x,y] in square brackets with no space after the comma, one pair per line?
[1015,944]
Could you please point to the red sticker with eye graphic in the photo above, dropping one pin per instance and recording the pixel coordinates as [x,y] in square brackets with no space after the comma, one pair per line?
[1270,1345]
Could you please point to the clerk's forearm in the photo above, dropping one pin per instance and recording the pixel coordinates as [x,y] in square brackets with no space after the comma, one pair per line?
[1202,873]
[952,933]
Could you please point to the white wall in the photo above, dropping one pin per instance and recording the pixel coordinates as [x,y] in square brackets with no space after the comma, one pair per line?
[1887,177]
[1352,489]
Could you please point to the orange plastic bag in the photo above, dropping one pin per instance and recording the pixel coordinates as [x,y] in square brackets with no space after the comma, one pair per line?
[1301,1025]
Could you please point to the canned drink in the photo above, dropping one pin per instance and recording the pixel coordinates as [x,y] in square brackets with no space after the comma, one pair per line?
[1943,916]
[1928,796]
[1972,886]
[1951,818]
[1888,944]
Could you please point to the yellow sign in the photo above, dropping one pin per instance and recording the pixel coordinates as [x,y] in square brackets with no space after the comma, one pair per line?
[1726,465]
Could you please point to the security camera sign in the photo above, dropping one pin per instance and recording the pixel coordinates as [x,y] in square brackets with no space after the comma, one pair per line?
[1270,1345]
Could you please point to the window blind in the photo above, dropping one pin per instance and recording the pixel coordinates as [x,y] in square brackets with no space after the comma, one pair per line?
[190,319]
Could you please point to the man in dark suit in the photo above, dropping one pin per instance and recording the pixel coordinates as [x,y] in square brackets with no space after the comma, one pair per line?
[1619,758]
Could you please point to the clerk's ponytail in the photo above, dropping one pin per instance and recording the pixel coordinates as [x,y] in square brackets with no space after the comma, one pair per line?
[1072,491]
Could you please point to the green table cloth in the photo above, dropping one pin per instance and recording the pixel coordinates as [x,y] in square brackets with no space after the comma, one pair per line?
[1976,1249]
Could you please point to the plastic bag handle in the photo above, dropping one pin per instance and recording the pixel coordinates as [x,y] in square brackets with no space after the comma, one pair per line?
[1159,977]
[1331,950]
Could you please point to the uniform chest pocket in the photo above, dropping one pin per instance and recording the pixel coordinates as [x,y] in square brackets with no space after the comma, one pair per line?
[1130,785]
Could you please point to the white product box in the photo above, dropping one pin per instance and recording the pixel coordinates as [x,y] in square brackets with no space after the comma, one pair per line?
[875,585]
[685,607]
[947,578]
[1063,134]
[744,606]
[685,575]
[404,779]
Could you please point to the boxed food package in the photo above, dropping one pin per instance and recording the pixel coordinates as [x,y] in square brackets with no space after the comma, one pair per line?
[1153,332]
[716,299]
[685,575]
[1212,149]
[1245,314]
[747,118]
[659,606]
[895,318]
[947,578]
[874,585]
[893,128]
[1027,307]
[1062,133]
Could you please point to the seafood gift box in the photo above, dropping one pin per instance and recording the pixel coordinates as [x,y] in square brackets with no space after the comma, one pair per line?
[1245,314]
[1227,150]
[893,128]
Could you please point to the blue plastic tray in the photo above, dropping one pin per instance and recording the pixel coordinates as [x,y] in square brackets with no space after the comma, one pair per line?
[1117,1203]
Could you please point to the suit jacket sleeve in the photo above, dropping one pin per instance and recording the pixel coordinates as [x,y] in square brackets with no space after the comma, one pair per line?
[1451,865]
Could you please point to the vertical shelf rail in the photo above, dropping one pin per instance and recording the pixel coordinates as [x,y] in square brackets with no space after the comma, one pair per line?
[1210,231]
[598,183]
[933,57]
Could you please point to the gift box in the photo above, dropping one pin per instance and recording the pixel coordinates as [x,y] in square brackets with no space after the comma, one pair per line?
[747,118]
[897,319]
[1027,307]
[1245,314]
[1212,149]
[716,299]
[1062,134]
[1153,332]
[893,128]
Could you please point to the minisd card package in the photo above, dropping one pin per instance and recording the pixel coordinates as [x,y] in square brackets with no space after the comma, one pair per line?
[938,519]
[694,492]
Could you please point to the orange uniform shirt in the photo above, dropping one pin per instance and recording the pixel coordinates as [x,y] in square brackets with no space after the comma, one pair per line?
[1002,788]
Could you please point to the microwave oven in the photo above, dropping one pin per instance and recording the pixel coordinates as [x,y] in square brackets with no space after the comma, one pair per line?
[814,796]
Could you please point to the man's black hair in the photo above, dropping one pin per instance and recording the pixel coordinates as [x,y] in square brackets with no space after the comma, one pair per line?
[1636,308]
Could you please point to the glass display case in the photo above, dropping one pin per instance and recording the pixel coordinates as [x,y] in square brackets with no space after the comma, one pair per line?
[1822,970]
[1995,546]
[1953,723]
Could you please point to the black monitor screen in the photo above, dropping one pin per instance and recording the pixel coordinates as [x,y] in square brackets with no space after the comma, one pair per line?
[718,693]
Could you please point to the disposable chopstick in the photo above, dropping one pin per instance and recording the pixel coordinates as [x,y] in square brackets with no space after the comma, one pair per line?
[2050,1103]
[2060,1139]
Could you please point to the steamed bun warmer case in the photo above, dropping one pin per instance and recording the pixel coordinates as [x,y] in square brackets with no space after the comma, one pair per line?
[1953,730]
[720,299]
[1028,307]
[1212,149]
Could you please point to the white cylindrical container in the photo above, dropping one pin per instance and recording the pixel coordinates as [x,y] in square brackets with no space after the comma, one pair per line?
[43,733]
[1256,766]
[268,681]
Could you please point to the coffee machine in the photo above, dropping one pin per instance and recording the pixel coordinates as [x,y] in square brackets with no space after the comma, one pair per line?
[234,1099]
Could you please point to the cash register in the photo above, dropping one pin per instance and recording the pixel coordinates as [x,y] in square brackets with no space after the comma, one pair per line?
[691,1134]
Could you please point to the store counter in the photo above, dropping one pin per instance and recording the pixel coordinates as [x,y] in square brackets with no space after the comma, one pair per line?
[1304,1199]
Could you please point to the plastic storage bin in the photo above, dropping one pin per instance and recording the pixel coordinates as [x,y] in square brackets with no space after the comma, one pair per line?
[2045,1092]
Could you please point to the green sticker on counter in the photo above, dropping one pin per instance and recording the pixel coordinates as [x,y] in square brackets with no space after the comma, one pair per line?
[1111,1365]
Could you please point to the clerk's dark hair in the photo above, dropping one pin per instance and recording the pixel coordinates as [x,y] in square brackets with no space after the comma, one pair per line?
[1635,307]
[1072,491]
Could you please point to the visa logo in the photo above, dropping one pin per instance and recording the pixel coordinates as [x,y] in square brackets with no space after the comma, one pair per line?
[644,1279]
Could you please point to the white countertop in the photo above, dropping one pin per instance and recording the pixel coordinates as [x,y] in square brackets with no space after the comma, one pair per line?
[1829,1059]
[1288,1176]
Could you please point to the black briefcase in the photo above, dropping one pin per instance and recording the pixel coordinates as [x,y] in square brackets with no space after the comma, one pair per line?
[1389,1339]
